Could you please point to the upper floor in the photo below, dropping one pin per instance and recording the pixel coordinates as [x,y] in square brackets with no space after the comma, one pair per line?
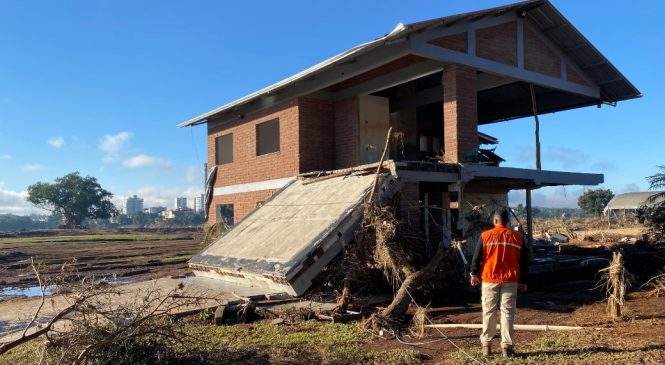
[434,82]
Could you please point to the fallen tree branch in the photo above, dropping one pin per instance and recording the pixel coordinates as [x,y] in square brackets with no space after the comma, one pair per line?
[42,290]
[25,338]
[413,281]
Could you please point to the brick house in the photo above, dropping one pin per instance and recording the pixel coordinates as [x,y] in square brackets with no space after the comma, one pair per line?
[434,82]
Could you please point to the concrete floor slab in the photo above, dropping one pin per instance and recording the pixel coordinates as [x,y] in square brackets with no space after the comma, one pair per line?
[283,244]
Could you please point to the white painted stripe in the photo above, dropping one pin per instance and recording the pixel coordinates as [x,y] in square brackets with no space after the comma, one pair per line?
[254,186]
[503,244]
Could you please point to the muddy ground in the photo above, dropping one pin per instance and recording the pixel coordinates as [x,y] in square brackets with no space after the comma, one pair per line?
[120,255]
[571,298]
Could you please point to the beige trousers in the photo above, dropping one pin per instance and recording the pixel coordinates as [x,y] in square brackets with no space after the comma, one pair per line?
[494,295]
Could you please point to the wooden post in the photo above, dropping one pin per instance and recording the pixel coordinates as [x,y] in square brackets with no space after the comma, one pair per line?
[426,212]
[445,218]
[370,200]
[534,107]
[617,283]
[529,223]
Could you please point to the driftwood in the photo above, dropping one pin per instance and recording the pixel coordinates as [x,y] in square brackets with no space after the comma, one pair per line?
[413,281]
[357,253]
[615,279]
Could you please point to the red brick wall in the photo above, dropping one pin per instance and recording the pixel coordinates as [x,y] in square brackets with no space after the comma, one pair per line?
[573,76]
[317,134]
[457,42]
[498,43]
[346,132]
[460,111]
[538,56]
[243,203]
[247,166]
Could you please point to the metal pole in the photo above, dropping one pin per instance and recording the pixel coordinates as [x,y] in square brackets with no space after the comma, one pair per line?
[529,223]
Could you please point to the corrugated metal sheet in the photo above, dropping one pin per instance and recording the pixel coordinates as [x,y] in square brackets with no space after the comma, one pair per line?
[614,86]
[631,200]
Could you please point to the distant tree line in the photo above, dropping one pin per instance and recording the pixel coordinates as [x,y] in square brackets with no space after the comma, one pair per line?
[15,222]
[183,218]
[547,213]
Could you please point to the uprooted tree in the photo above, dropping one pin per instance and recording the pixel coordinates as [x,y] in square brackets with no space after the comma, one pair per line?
[76,198]
[386,244]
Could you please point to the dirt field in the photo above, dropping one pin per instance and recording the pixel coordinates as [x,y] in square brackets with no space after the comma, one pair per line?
[118,255]
[557,299]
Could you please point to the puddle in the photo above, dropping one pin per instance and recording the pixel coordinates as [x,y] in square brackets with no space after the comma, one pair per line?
[29,292]
[10,292]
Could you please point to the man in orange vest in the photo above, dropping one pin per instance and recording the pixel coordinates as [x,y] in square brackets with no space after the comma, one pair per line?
[501,263]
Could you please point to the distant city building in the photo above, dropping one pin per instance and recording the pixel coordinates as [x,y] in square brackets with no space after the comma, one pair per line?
[133,205]
[154,210]
[171,214]
[199,203]
[180,203]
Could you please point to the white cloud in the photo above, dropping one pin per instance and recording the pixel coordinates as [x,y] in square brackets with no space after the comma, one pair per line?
[13,202]
[33,167]
[56,142]
[112,145]
[603,166]
[5,156]
[193,175]
[139,161]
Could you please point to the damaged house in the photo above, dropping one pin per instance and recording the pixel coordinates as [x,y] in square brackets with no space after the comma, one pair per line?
[434,83]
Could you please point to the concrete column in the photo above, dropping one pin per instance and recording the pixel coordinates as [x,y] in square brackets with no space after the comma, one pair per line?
[460,111]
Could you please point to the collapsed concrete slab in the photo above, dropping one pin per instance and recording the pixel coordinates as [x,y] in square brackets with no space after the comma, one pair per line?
[286,242]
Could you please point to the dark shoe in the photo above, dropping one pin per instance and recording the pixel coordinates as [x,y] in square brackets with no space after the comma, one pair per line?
[487,351]
[507,351]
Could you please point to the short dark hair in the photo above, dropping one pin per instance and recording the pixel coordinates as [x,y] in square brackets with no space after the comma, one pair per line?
[502,215]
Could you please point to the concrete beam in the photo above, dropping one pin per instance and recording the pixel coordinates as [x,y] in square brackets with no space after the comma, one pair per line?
[401,76]
[449,56]
[537,177]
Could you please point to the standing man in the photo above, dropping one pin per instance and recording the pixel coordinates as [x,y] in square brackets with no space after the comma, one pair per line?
[501,262]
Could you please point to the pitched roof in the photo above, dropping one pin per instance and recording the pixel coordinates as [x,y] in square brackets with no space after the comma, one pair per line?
[631,200]
[613,85]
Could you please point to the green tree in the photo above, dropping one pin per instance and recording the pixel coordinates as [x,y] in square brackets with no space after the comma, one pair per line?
[595,200]
[657,181]
[653,212]
[75,197]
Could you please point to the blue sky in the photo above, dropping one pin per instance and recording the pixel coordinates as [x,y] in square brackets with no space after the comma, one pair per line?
[99,86]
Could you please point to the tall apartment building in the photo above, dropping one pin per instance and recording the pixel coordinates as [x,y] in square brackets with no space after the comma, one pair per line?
[199,201]
[133,205]
[180,203]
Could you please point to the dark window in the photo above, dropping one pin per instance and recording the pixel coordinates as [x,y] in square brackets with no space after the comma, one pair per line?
[225,213]
[224,149]
[267,137]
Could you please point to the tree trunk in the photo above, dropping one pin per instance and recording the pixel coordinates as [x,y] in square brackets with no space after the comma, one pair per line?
[412,282]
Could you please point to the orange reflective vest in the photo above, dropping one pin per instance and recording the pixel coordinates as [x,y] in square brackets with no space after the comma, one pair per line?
[501,255]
